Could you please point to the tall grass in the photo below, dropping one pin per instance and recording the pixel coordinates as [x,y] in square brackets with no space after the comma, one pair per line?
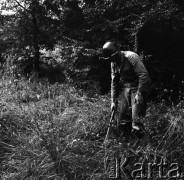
[55,132]
[43,131]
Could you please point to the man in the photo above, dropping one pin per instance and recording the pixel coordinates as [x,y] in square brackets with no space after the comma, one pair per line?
[129,82]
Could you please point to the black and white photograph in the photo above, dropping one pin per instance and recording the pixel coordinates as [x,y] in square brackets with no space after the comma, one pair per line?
[91,89]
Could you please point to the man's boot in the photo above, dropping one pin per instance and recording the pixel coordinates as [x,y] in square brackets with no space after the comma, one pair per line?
[138,130]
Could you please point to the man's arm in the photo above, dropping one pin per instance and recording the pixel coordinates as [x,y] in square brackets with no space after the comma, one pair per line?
[114,83]
[141,72]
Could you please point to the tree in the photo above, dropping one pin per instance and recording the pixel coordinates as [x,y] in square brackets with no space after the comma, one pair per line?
[32,26]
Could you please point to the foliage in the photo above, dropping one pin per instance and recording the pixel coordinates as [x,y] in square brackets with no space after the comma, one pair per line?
[55,132]
[92,22]
[79,64]
[23,22]
[119,20]
[46,144]
[39,25]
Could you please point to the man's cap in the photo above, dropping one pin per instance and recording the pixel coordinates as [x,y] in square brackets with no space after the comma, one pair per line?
[109,49]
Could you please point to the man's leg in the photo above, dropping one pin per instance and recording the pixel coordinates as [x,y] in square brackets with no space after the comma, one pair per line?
[124,120]
[138,110]
[124,104]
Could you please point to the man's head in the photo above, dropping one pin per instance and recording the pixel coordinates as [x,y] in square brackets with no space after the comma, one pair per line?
[110,50]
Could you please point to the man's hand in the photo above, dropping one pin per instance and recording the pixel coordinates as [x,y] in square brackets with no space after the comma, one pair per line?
[139,98]
[113,106]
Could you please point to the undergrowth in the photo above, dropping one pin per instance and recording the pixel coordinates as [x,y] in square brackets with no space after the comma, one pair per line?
[54,132]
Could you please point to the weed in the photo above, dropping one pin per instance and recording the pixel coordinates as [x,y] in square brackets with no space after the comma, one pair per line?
[55,132]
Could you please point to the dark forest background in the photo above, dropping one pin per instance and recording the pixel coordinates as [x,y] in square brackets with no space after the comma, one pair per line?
[62,40]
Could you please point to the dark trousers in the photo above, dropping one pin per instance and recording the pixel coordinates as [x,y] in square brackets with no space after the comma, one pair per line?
[129,110]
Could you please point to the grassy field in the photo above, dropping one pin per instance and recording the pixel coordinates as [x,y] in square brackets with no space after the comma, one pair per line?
[54,132]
